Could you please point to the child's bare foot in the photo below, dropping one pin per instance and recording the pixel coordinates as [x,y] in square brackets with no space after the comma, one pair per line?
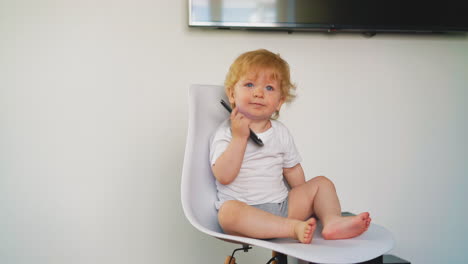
[347,226]
[304,231]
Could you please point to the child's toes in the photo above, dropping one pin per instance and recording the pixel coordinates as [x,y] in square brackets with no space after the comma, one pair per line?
[365,216]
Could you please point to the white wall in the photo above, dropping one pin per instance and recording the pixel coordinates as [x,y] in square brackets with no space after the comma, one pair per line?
[93,120]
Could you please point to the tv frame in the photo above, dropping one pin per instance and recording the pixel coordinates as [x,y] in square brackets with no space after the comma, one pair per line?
[322,27]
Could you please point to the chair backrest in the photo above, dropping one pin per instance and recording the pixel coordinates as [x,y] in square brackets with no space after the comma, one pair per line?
[198,189]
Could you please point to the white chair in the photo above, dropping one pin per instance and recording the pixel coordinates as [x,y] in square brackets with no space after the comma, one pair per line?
[198,194]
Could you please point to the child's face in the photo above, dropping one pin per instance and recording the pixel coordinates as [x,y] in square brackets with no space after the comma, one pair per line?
[257,95]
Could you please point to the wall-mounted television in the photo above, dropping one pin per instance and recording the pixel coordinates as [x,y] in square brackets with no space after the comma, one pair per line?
[332,15]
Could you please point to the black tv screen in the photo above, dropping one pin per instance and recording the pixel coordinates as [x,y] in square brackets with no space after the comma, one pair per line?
[332,15]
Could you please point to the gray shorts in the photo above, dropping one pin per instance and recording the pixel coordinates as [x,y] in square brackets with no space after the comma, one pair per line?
[279,209]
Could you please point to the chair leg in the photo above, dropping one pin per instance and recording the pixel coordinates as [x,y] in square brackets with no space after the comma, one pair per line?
[280,258]
[230,260]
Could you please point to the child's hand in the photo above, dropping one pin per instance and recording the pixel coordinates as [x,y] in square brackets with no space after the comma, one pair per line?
[239,125]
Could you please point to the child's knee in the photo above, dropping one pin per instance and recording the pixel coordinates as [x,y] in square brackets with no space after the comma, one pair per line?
[228,212]
[322,180]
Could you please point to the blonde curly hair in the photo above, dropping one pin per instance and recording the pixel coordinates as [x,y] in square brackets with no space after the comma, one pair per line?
[265,60]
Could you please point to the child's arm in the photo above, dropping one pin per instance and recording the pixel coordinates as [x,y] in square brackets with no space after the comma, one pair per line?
[294,176]
[227,165]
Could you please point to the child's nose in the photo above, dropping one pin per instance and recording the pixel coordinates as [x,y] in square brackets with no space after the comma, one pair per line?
[258,92]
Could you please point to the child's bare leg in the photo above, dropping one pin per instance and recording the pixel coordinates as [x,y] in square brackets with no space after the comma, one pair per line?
[318,196]
[238,218]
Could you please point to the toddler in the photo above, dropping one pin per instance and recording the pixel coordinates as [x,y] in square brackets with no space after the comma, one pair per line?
[253,197]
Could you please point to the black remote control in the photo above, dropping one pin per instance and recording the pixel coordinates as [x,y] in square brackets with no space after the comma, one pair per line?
[252,136]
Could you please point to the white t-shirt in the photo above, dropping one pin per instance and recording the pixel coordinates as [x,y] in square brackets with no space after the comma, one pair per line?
[260,179]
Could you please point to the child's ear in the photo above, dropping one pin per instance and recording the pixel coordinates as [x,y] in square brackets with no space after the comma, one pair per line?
[230,95]
[281,102]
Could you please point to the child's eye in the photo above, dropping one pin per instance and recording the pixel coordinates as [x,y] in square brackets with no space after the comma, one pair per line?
[249,84]
[269,88]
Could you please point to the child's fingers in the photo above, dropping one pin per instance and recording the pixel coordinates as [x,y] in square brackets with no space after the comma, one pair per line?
[241,117]
[239,123]
[234,113]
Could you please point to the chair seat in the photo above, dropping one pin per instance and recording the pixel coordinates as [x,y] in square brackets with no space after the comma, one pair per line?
[198,194]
